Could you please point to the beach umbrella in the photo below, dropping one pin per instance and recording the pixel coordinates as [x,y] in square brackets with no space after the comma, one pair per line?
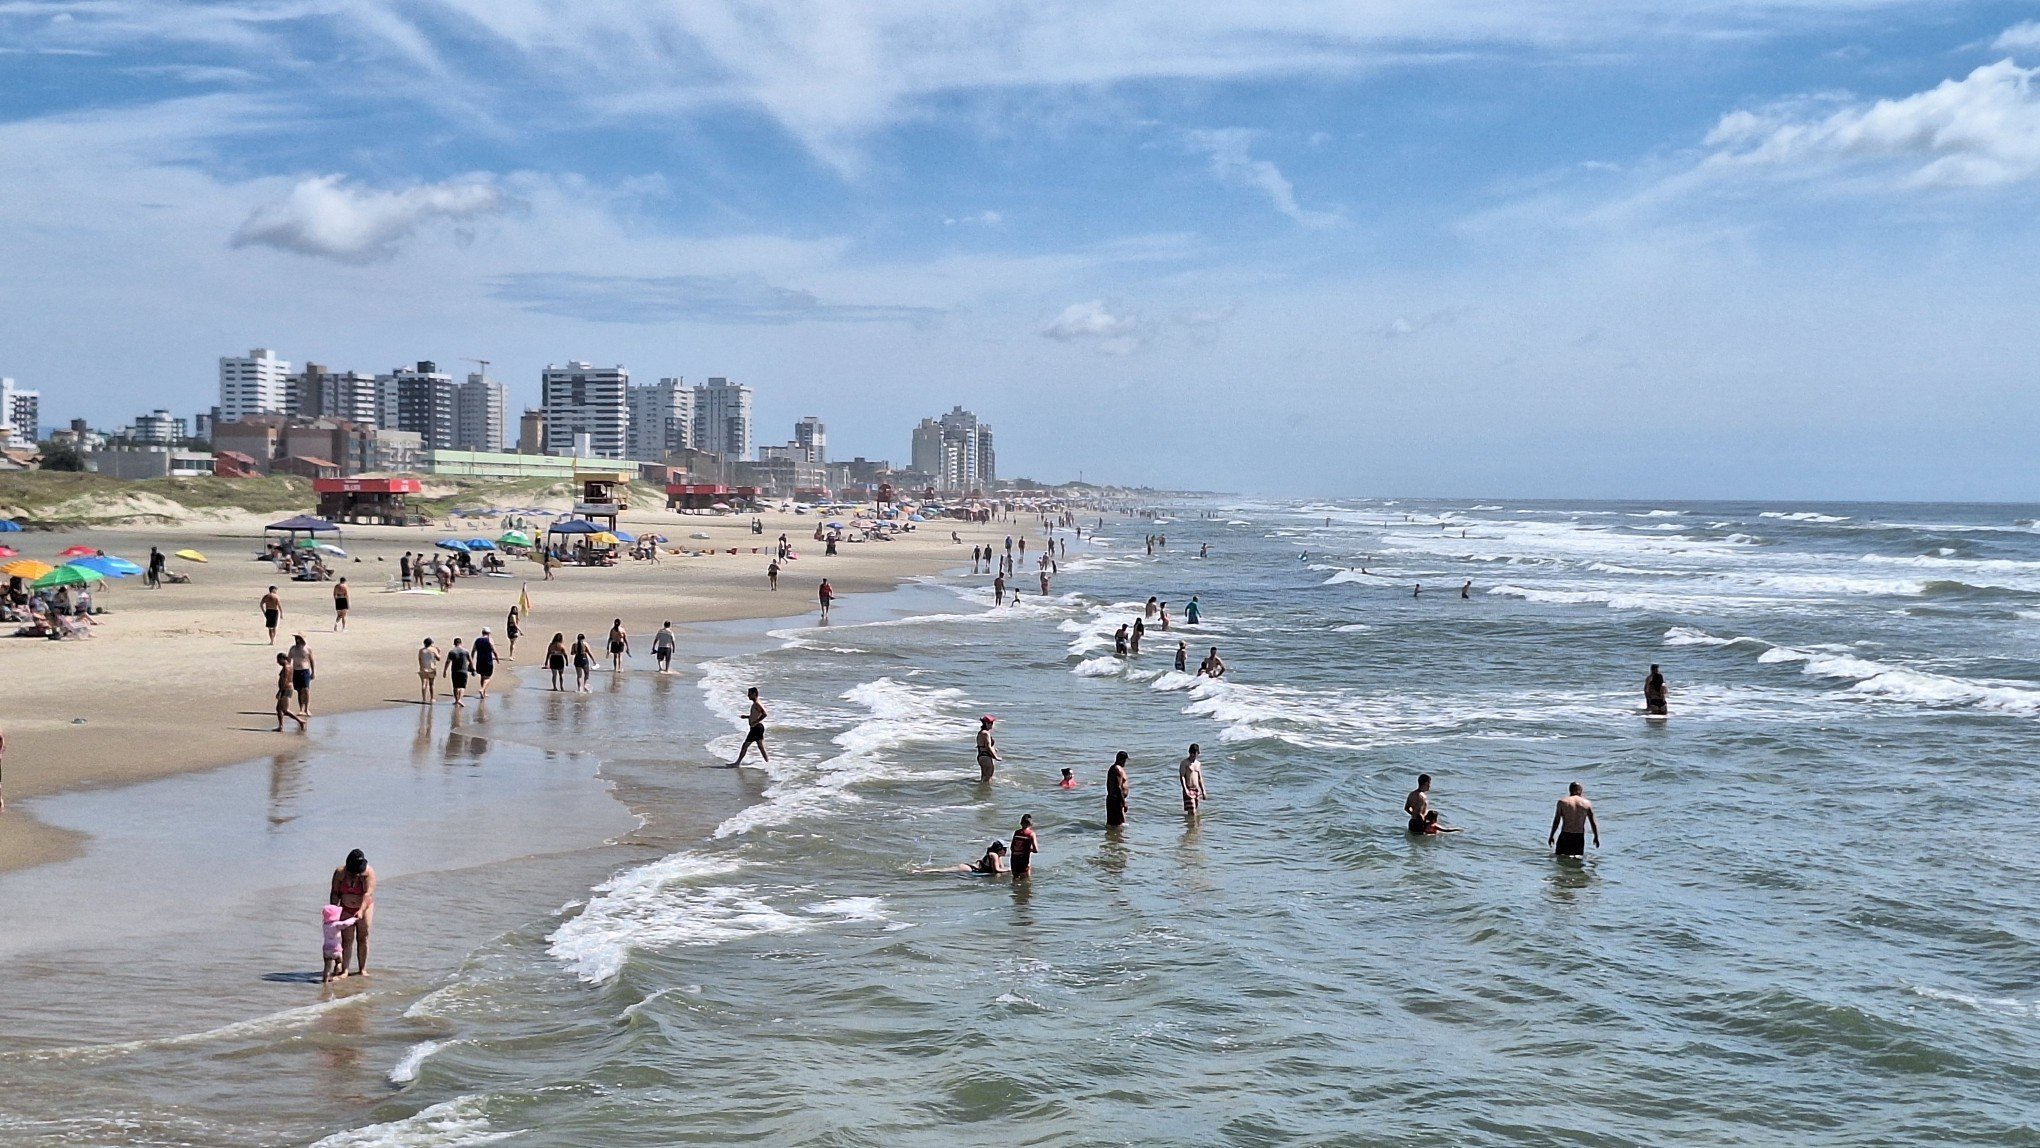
[515,538]
[656,537]
[602,538]
[67,576]
[307,544]
[304,524]
[718,506]
[915,518]
[191,556]
[9,552]
[624,536]
[9,526]
[26,568]
[329,548]
[76,552]
[450,544]
[108,565]
[480,544]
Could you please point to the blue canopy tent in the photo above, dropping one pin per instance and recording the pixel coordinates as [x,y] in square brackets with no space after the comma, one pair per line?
[9,526]
[574,526]
[303,524]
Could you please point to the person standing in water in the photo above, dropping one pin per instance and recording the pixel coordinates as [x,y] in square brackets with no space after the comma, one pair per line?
[1466,591]
[1025,846]
[353,889]
[755,735]
[827,594]
[1119,641]
[1139,631]
[1211,667]
[1182,657]
[428,674]
[302,666]
[1116,784]
[584,662]
[1571,821]
[1418,803]
[1656,697]
[619,646]
[1191,776]
[556,661]
[999,588]
[283,695]
[1193,611]
[485,662]
[663,645]
[458,663]
[988,758]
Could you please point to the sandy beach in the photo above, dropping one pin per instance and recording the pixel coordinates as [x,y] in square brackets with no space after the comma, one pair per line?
[179,679]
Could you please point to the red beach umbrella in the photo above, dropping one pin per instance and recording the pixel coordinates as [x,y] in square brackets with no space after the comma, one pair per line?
[9,552]
[76,552]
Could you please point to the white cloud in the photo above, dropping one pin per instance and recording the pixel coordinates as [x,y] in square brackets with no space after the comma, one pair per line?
[1233,163]
[1979,131]
[986,218]
[1403,326]
[1094,323]
[2021,37]
[326,217]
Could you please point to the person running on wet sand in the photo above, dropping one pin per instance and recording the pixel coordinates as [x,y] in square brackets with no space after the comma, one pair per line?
[340,605]
[663,645]
[1025,846]
[584,662]
[755,718]
[988,758]
[1656,697]
[556,661]
[1418,803]
[272,610]
[458,665]
[302,666]
[1119,641]
[353,889]
[283,694]
[827,594]
[1191,776]
[1211,667]
[619,646]
[1182,657]
[1571,821]
[1116,784]
[428,674]
[484,651]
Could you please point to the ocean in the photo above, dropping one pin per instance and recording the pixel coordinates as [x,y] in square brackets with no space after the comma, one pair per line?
[1810,921]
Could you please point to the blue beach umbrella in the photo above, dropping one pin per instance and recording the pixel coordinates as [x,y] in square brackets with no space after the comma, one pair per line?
[108,565]
[9,526]
[624,536]
[450,544]
[480,544]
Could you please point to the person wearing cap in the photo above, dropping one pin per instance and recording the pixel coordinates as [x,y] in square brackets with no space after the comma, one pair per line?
[987,750]
[484,654]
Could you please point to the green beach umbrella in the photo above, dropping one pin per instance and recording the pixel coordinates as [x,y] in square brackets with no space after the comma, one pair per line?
[67,576]
[515,538]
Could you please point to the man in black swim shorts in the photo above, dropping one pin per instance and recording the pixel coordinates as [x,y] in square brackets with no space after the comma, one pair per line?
[1570,823]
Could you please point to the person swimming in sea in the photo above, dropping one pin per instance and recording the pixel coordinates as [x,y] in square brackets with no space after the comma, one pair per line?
[1418,803]
[1069,779]
[991,864]
[1431,826]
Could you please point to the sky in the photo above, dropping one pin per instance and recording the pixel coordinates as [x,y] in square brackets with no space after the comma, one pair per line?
[1528,248]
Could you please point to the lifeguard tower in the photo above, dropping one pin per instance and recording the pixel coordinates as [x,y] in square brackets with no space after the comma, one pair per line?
[604,495]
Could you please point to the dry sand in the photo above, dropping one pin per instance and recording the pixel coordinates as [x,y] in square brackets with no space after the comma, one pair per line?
[182,678]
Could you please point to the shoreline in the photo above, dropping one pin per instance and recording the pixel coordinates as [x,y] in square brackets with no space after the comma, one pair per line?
[153,709]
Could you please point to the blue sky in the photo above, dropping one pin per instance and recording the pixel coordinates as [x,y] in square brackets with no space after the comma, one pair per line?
[1736,248]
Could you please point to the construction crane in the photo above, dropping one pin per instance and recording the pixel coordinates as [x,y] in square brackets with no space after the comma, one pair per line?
[482,363]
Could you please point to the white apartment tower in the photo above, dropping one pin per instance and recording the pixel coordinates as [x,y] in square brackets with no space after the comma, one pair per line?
[481,413]
[316,392]
[20,414]
[661,419]
[254,385]
[812,439]
[722,419]
[581,399]
[965,461]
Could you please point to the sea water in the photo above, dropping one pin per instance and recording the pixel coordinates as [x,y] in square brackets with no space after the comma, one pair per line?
[1810,920]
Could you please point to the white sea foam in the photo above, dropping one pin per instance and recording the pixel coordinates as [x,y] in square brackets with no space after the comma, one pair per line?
[1347,576]
[1694,636]
[1802,516]
[461,1121]
[259,1026]
[1173,680]
[650,905]
[1898,683]
[406,1070]
[1104,667]
[2004,1006]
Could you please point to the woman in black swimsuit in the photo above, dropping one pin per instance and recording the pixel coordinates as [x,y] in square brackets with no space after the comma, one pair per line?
[556,661]
[584,661]
[510,632]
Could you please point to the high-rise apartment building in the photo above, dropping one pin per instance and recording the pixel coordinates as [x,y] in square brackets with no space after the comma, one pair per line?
[316,392]
[419,400]
[254,385]
[481,414]
[661,419]
[20,413]
[812,438]
[926,455]
[581,399]
[158,428]
[722,419]
[531,432]
[956,450]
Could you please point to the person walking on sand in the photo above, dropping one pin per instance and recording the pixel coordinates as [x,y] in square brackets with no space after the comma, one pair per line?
[485,663]
[428,674]
[302,666]
[353,889]
[772,575]
[755,735]
[512,626]
[459,663]
[584,663]
[156,561]
[404,570]
[1190,775]
[988,758]
[340,605]
[1571,821]
[272,610]
[1025,846]
[556,661]
[663,644]
[1116,785]
[827,594]
[283,694]
[619,646]
[1656,696]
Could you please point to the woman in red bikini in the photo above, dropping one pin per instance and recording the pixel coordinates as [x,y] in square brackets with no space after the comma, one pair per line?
[354,891]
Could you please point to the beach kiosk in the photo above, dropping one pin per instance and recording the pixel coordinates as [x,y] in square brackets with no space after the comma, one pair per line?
[604,495]
[695,495]
[366,501]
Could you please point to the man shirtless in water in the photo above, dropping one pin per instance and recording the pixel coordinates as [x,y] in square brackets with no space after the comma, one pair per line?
[1570,823]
